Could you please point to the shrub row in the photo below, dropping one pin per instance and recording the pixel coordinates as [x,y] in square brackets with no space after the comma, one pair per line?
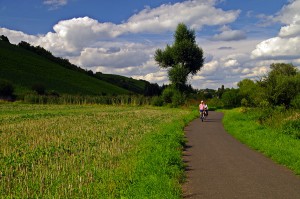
[72,99]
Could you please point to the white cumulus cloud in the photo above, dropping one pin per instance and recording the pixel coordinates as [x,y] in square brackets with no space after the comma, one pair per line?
[195,14]
[286,46]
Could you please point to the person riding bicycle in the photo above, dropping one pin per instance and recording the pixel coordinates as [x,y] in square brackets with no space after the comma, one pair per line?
[201,109]
[206,109]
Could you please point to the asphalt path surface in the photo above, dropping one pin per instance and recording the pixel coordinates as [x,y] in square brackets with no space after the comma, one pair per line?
[218,166]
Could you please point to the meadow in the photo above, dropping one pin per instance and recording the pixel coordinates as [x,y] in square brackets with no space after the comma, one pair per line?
[275,132]
[91,151]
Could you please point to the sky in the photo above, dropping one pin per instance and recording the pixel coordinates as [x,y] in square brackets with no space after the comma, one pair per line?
[240,38]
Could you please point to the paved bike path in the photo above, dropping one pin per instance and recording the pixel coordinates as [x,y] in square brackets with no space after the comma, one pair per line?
[221,167]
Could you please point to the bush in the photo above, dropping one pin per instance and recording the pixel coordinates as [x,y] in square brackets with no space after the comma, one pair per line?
[244,102]
[292,127]
[215,103]
[177,99]
[296,102]
[173,97]
[157,101]
[264,104]
[6,89]
[231,98]
[167,95]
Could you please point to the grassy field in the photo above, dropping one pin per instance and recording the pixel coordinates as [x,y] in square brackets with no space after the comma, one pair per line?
[91,151]
[276,136]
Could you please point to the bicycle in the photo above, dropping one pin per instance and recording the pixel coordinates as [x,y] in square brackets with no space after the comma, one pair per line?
[202,115]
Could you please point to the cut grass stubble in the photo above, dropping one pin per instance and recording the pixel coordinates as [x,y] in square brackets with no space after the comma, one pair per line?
[90,151]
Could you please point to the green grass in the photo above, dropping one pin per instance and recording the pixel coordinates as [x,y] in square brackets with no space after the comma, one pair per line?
[91,151]
[271,141]
[24,69]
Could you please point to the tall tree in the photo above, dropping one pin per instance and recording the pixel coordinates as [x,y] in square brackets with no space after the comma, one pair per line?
[182,58]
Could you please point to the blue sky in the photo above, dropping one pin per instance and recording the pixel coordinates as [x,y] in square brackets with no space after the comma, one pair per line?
[240,39]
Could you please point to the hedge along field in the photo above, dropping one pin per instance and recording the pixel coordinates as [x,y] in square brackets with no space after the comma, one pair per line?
[91,151]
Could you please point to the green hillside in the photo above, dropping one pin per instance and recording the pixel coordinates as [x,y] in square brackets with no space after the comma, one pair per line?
[25,68]
[137,86]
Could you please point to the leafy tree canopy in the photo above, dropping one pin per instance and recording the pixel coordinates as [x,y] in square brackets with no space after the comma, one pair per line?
[4,38]
[182,58]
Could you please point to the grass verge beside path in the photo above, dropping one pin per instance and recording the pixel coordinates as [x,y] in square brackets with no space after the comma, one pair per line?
[280,147]
[91,151]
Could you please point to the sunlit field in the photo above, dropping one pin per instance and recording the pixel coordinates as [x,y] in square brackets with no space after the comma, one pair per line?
[90,151]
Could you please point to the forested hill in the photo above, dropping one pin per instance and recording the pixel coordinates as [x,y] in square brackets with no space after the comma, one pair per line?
[26,66]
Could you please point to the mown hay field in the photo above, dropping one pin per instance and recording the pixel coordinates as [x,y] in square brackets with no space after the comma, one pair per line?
[90,151]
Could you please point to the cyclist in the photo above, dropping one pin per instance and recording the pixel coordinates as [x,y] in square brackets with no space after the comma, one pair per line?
[205,109]
[201,109]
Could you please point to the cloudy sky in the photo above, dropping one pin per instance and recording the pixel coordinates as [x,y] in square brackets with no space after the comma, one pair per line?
[240,39]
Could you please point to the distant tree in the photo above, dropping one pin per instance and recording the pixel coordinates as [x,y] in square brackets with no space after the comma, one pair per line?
[281,84]
[231,98]
[220,91]
[152,89]
[282,69]
[251,93]
[25,45]
[4,38]
[182,58]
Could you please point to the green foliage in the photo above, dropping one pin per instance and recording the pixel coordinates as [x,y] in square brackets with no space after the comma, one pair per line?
[4,38]
[157,101]
[278,69]
[167,95]
[279,87]
[165,57]
[250,93]
[178,99]
[296,102]
[215,103]
[231,98]
[245,102]
[184,57]
[178,75]
[285,90]
[172,96]
[282,84]
[292,127]
[135,100]
[6,88]
[182,33]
